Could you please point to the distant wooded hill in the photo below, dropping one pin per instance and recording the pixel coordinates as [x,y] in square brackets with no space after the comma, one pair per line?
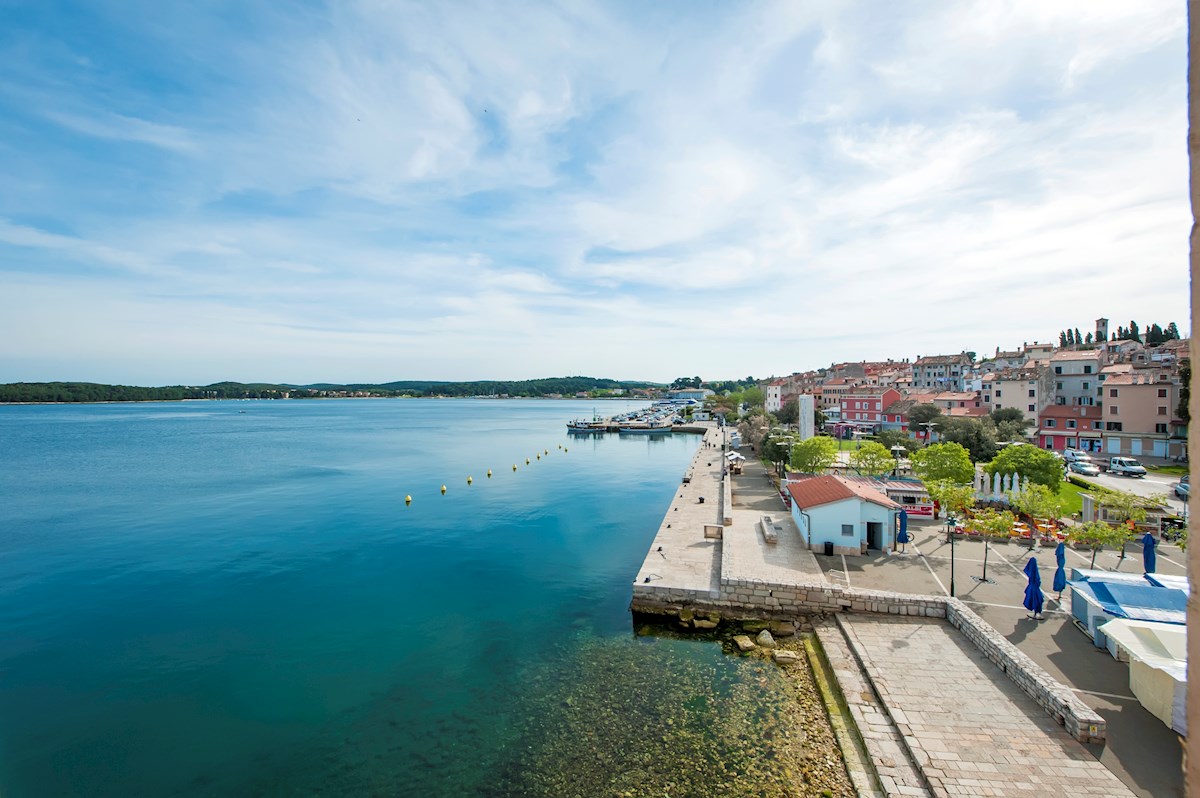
[96,392]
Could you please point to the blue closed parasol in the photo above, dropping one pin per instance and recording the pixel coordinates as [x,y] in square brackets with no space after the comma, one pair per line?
[902,536]
[1149,558]
[1060,573]
[1034,600]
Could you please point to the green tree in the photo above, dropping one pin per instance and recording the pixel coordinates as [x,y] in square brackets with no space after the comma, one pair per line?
[993,523]
[920,415]
[1062,339]
[1128,510]
[819,418]
[1172,332]
[1039,466]
[1088,339]
[953,498]
[943,462]
[1096,535]
[891,438]
[814,455]
[790,412]
[753,396]
[1037,501]
[872,459]
[977,438]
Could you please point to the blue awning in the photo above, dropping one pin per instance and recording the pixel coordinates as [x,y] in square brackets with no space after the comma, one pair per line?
[1138,602]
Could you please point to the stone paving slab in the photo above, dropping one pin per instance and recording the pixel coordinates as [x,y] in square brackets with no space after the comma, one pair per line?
[896,772]
[966,725]
[746,554]
[680,556]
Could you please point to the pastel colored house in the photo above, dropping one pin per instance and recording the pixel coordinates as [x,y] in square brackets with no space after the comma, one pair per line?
[841,516]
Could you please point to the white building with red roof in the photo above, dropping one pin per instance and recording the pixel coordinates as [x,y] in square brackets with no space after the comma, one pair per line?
[836,515]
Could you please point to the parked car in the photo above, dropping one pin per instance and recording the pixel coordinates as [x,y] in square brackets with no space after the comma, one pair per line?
[1072,455]
[1085,467]
[1183,487]
[1127,466]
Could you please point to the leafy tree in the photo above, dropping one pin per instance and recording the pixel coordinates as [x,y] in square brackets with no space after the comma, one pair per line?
[1041,467]
[1009,414]
[1096,535]
[954,498]
[814,455]
[1070,337]
[819,418]
[1062,339]
[993,523]
[1037,501]
[1078,337]
[872,459]
[923,414]
[1134,334]
[1088,339]
[753,396]
[943,462]
[891,438]
[1172,333]
[790,412]
[977,438]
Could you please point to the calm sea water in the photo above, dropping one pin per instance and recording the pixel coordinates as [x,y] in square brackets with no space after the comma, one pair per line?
[231,598]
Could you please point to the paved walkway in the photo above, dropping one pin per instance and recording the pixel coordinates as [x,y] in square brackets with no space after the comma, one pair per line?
[972,731]
[745,554]
[680,556]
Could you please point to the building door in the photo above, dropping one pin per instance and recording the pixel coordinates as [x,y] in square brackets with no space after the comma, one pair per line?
[1114,445]
[1135,447]
[874,535]
[1160,449]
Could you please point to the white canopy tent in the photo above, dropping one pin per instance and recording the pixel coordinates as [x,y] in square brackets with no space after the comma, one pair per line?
[1157,656]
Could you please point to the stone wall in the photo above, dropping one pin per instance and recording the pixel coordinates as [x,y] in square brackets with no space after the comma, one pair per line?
[1080,720]
[742,598]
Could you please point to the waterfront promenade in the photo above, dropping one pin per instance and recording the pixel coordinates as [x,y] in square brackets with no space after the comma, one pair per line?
[939,695]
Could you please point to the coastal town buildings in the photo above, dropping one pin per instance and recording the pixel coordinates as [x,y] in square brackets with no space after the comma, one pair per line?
[941,372]
[836,515]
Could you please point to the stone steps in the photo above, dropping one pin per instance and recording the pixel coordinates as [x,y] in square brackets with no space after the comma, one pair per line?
[889,769]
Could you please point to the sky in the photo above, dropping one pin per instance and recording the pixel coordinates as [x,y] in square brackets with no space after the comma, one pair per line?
[366,191]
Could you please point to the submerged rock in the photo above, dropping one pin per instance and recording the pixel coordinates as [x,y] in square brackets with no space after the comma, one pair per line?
[785,657]
[765,640]
[699,623]
[755,626]
[743,642]
[783,628]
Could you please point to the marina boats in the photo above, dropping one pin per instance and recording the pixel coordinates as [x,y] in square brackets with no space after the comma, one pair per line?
[581,427]
[645,428]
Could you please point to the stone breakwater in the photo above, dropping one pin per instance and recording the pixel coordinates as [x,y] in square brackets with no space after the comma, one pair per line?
[709,563]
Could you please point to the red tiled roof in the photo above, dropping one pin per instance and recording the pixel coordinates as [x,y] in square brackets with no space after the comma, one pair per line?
[815,491]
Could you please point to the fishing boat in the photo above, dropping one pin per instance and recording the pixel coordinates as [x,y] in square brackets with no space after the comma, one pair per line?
[651,428]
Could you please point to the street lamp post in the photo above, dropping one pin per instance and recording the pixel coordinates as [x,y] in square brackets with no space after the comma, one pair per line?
[950,521]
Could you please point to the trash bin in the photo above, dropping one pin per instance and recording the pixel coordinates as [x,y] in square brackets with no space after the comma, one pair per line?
[829,548]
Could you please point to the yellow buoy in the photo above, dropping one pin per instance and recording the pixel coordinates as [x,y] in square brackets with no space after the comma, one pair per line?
[408,499]
[539,457]
[489,473]
[514,466]
[526,461]
[565,449]
[560,446]
[443,490]
[469,480]
[546,451]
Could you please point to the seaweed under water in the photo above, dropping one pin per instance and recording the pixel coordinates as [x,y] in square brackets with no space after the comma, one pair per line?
[659,715]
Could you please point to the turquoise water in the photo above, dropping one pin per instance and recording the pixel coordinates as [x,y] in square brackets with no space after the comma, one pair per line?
[231,598]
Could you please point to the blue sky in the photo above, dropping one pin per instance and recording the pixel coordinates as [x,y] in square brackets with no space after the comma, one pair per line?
[368,191]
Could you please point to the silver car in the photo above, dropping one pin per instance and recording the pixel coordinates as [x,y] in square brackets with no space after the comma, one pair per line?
[1085,467]
[1183,487]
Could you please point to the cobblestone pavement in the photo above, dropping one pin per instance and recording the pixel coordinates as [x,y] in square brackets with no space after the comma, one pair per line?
[972,731]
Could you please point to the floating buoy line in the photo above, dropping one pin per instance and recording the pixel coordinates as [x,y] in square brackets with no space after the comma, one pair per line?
[408,499]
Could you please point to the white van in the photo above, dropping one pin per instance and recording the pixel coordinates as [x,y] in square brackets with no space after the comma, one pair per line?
[1076,455]
[1127,466]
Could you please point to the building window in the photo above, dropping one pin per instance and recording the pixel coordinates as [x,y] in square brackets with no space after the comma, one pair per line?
[1112,392]
[987,398]
[1162,393]
[1032,408]
[1162,411]
[1061,400]
[1086,386]
[1032,393]
[997,393]
[848,530]
[1070,423]
[1058,369]
[1087,369]
[1114,426]
[1058,386]
[1161,429]
[1112,410]
[1051,423]
[1096,425]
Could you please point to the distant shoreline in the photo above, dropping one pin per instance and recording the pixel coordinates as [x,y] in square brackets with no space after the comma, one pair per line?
[333,398]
